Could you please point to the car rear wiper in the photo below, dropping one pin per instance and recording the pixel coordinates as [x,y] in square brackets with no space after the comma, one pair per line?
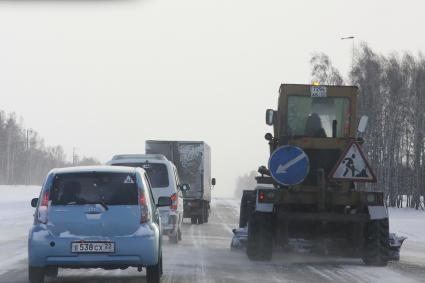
[102,203]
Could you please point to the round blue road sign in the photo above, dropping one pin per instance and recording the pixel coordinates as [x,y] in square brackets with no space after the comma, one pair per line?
[289,165]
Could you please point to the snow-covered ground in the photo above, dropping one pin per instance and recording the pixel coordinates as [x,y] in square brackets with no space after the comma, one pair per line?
[408,222]
[15,219]
[204,254]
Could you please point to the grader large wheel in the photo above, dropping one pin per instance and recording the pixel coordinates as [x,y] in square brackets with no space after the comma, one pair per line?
[260,237]
[376,252]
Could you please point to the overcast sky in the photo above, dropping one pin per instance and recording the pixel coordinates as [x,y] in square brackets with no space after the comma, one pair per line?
[104,76]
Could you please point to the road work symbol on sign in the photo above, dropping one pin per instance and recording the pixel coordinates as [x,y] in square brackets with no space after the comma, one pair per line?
[289,165]
[353,166]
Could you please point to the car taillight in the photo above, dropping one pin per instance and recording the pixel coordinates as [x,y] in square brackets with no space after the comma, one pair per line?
[145,214]
[173,205]
[42,209]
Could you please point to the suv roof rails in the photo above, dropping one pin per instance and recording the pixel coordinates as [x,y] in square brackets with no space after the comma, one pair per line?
[139,156]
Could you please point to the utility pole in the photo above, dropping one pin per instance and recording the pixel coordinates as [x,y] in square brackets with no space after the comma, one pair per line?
[74,157]
[28,154]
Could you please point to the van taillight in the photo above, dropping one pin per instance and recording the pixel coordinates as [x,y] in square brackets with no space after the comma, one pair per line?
[145,215]
[42,209]
[173,205]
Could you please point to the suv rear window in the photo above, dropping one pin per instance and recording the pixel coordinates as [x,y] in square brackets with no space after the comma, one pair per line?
[157,173]
[95,187]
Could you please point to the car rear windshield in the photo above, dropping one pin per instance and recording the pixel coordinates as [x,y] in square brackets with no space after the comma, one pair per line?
[157,173]
[102,188]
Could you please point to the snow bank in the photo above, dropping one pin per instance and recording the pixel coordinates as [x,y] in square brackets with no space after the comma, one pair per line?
[232,203]
[16,217]
[18,193]
[408,222]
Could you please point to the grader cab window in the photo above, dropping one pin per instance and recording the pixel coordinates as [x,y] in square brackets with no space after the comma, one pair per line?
[314,116]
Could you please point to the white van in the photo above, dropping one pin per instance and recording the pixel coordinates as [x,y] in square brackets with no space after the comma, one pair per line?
[164,182]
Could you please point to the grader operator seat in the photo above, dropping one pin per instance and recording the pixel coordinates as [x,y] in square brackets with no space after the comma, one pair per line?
[313,127]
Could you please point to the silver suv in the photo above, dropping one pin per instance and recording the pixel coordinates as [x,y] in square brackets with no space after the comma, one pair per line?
[165,183]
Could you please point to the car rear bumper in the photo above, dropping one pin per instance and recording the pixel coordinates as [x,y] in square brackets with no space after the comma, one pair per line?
[97,261]
[138,249]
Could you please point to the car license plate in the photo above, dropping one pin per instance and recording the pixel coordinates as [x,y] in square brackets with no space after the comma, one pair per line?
[164,217]
[93,247]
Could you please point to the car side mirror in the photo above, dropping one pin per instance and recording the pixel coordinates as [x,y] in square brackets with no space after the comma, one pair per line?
[363,124]
[184,187]
[164,201]
[34,202]
[213,181]
[269,116]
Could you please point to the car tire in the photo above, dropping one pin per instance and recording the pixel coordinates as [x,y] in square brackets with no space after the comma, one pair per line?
[179,234]
[36,274]
[194,220]
[51,271]
[154,272]
[174,238]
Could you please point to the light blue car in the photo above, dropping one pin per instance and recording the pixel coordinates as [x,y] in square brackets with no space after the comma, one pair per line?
[95,217]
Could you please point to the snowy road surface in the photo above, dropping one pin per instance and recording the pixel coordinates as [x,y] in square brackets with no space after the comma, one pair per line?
[204,254]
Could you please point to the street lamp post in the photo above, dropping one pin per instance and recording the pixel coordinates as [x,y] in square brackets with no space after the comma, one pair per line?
[352,56]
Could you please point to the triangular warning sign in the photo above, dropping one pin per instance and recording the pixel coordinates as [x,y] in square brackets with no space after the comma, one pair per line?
[128,180]
[353,166]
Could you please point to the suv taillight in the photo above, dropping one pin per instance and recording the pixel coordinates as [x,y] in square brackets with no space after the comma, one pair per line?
[43,207]
[145,214]
[173,205]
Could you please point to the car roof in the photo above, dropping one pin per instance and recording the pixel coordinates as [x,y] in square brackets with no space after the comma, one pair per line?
[140,156]
[99,168]
[145,158]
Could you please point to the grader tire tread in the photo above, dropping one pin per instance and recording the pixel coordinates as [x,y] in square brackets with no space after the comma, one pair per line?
[377,243]
[260,237]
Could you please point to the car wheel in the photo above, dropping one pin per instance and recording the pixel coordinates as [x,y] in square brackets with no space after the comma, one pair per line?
[193,220]
[174,238]
[179,234]
[154,272]
[52,271]
[36,274]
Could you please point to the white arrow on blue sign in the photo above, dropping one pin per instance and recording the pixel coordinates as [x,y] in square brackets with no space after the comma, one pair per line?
[289,165]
